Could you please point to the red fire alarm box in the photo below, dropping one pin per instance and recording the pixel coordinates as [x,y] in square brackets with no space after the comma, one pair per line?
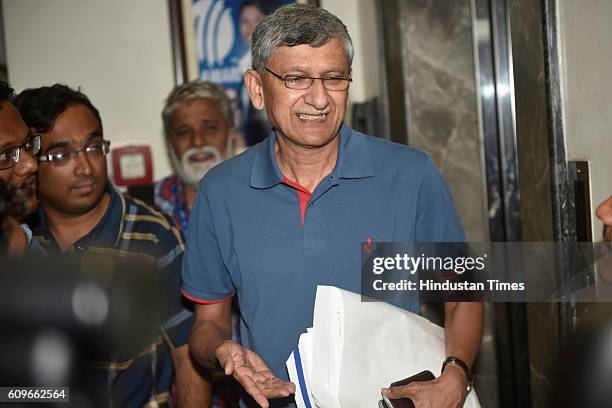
[132,165]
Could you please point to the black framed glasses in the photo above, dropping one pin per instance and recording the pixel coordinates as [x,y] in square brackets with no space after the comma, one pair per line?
[10,157]
[301,82]
[62,157]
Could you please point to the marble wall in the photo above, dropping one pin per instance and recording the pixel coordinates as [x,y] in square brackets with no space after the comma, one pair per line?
[442,118]
[536,181]
[438,55]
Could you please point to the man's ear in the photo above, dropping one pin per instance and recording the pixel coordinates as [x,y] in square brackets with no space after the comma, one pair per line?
[347,99]
[253,83]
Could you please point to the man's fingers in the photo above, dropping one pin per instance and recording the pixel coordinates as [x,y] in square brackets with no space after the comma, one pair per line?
[277,388]
[261,400]
[604,211]
[228,367]
[254,375]
[405,391]
[252,388]
[226,361]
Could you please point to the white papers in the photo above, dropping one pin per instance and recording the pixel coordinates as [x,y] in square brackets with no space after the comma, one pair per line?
[355,348]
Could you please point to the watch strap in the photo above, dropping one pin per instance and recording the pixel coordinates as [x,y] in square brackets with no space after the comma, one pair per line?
[458,362]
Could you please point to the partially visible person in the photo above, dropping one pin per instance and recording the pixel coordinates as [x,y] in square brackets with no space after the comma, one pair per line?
[82,215]
[13,241]
[199,127]
[604,213]
[254,124]
[18,167]
[250,13]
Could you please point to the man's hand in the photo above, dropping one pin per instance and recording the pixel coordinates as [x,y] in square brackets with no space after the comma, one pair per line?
[604,213]
[447,391]
[252,373]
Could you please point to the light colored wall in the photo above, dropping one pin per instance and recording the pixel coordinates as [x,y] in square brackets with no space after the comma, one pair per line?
[359,16]
[585,35]
[118,52]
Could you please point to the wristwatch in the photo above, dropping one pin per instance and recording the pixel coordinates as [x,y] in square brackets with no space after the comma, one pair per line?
[458,362]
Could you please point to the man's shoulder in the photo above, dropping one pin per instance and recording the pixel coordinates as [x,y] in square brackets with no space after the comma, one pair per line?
[231,172]
[164,186]
[391,154]
[165,181]
[141,217]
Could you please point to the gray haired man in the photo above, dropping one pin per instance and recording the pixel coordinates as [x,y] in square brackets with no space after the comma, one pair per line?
[291,213]
[199,126]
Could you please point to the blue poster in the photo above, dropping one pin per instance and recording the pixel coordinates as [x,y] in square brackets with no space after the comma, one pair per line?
[223,30]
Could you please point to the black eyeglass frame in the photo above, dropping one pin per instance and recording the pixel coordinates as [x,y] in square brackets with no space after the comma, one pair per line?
[49,157]
[17,150]
[323,80]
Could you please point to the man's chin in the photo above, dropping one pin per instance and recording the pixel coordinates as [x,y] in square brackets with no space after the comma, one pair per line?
[27,201]
[30,205]
[81,207]
[192,176]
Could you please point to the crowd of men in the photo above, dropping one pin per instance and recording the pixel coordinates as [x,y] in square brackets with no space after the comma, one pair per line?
[260,230]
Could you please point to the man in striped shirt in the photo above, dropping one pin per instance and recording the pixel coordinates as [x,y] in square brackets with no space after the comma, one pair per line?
[81,214]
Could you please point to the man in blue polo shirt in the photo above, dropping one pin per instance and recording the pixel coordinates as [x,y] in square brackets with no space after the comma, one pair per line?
[291,213]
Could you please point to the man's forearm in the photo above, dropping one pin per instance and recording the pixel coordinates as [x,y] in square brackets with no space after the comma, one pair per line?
[463,324]
[206,337]
[192,389]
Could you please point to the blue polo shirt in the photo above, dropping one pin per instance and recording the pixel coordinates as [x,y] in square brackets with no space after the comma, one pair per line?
[247,235]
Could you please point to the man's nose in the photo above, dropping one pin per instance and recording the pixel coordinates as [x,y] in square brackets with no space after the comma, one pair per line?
[82,164]
[27,164]
[316,95]
[199,138]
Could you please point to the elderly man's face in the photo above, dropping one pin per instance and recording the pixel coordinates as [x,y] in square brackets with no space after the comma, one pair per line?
[74,185]
[21,177]
[199,138]
[310,117]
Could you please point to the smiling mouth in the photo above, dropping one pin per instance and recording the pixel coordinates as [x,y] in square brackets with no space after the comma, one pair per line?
[306,116]
[27,186]
[200,157]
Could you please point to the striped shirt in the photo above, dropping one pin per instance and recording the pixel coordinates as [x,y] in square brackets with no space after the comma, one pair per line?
[132,229]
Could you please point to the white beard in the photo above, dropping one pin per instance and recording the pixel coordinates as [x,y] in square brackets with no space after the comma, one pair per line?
[191,172]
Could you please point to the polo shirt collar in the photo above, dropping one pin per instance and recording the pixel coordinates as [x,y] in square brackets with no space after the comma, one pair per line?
[103,234]
[354,159]
[265,172]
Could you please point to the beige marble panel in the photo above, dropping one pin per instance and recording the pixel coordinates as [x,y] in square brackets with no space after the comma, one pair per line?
[443,109]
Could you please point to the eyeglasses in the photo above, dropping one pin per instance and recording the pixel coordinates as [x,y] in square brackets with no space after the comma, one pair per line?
[10,156]
[300,82]
[61,158]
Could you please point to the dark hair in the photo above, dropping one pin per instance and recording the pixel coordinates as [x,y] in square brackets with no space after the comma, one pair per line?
[40,107]
[6,92]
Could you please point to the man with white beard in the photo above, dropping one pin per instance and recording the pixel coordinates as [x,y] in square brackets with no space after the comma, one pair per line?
[199,126]
[198,121]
